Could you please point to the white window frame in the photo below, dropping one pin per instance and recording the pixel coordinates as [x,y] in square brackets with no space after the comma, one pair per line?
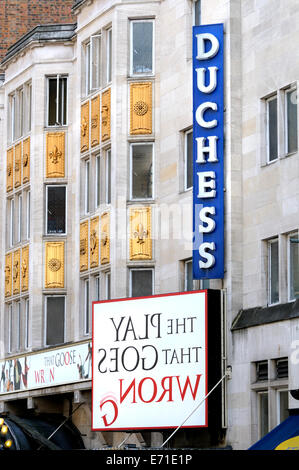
[269,243]
[20,216]
[12,223]
[19,106]
[142,269]
[91,83]
[97,287]
[109,55]
[108,285]
[28,214]
[27,323]
[46,211]
[87,186]
[98,173]
[10,328]
[291,235]
[86,306]
[51,77]
[18,325]
[186,187]
[271,98]
[108,176]
[288,91]
[135,144]
[45,317]
[278,392]
[142,74]
[259,393]
[186,263]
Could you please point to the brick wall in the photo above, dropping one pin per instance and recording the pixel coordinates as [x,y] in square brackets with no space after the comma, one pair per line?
[17,17]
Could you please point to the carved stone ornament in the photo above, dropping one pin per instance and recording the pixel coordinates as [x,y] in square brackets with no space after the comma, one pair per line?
[55,154]
[54,264]
[25,159]
[104,237]
[24,269]
[94,122]
[93,241]
[105,116]
[17,166]
[140,233]
[9,169]
[15,270]
[83,246]
[7,274]
[84,127]
[140,108]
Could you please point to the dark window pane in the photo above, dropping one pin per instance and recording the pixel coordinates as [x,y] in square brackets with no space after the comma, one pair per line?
[272,129]
[263,414]
[108,176]
[52,97]
[56,209]
[292,121]
[55,320]
[86,306]
[188,276]
[62,101]
[274,270]
[142,283]
[98,180]
[142,171]
[197,13]
[189,160]
[142,47]
[294,267]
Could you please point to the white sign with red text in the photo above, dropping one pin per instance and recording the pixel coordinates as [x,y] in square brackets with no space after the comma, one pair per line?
[150,362]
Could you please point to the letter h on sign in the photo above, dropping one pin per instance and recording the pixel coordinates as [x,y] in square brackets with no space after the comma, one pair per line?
[208,178]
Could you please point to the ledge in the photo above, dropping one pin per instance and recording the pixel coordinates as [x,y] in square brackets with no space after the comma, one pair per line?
[262,315]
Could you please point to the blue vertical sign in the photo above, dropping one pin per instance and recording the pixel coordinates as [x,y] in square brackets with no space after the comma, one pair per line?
[208,174]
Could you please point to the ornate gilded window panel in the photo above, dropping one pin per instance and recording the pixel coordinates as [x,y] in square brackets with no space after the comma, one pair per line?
[9,170]
[84,246]
[106,115]
[94,242]
[140,233]
[25,269]
[85,127]
[55,148]
[105,238]
[8,275]
[54,265]
[141,108]
[26,160]
[17,165]
[16,271]
[95,121]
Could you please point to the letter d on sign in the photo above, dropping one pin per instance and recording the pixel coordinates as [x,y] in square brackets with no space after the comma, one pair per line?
[202,54]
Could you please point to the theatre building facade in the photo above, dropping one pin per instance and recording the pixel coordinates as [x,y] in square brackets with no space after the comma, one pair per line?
[96,204]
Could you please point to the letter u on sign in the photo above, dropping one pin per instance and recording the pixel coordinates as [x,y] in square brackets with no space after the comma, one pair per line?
[208,155]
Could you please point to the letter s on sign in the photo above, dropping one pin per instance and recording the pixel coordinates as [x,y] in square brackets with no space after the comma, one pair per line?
[115,409]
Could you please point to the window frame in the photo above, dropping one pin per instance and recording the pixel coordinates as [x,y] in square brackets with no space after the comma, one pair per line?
[10,328]
[61,234]
[186,133]
[108,285]
[45,319]
[28,214]
[51,77]
[290,235]
[27,324]
[18,325]
[288,91]
[108,176]
[109,55]
[87,186]
[135,144]
[142,74]
[273,97]
[86,306]
[259,394]
[18,110]
[194,17]
[269,244]
[87,66]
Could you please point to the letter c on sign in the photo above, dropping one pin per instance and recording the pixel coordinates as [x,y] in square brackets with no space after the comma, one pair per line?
[115,412]
[200,112]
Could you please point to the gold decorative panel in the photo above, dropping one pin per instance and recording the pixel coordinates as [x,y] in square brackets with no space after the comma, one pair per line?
[105,112]
[8,274]
[94,242]
[17,166]
[105,238]
[95,121]
[25,268]
[84,246]
[16,271]
[55,149]
[85,127]
[140,108]
[9,170]
[54,265]
[140,233]
[26,160]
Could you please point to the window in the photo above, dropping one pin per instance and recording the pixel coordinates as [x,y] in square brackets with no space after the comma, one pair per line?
[98,181]
[55,320]
[188,285]
[10,328]
[19,112]
[18,326]
[262,371]
[12,222]
[56,209]
[282,368]
[108,285]
[108,176]
[27,324]
[272,129]
[28,215]
[293,264]
[196,12]
[109,56]
[141,282]
[291,120]
[188,152]
[97,288]
[282,405]
[86,307]
[142,47]
[91,70]
[86,192]
[57,101]
[141,171]
[19,202]
[263,413]
[273,271]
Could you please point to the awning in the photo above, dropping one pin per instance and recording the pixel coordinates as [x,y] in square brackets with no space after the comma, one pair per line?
[284,437]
